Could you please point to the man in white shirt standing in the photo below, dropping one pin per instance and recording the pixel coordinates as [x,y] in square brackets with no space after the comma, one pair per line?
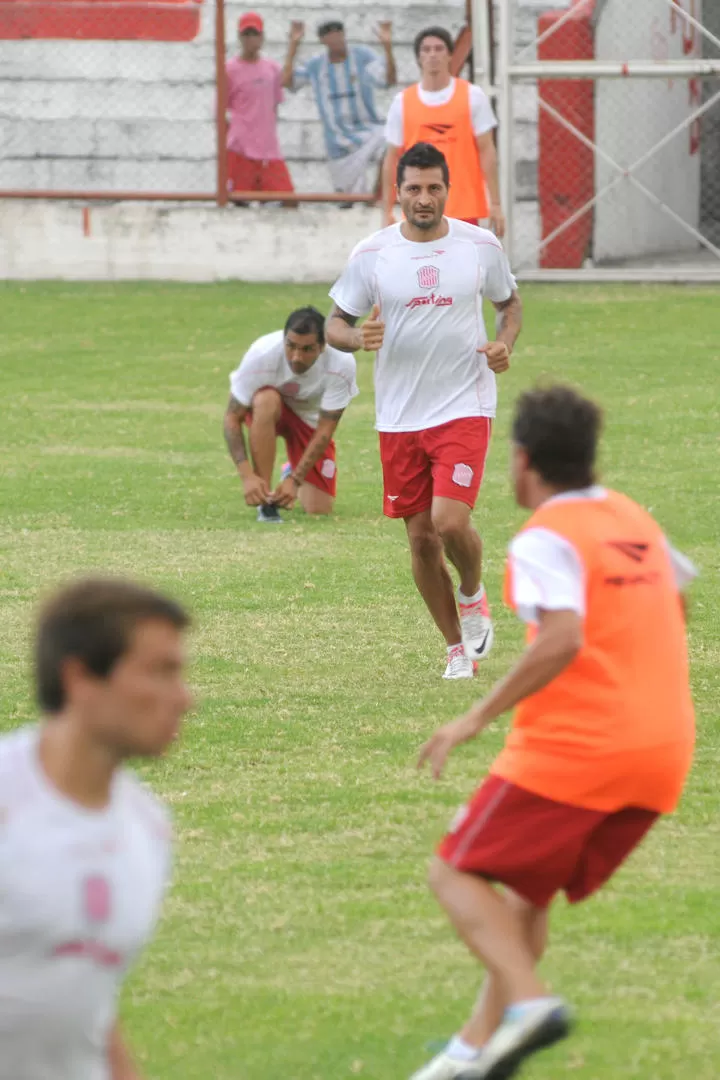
[435,390]
[84,847]
[289,384]
[456,117]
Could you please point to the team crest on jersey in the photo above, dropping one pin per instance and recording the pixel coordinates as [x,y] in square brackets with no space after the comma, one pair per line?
[96,898]
[462,475]
[428,277]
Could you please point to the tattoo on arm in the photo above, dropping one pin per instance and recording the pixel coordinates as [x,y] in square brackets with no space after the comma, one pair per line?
[341,332]
[233,429]
[329,420]
[508,320]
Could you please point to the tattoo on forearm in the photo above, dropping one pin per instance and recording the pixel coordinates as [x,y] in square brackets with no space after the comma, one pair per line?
[508,320]
[318,444]
[337,312]
[232,428]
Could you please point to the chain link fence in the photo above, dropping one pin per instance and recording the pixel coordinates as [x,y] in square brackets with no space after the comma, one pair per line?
[619,168]
[116,97]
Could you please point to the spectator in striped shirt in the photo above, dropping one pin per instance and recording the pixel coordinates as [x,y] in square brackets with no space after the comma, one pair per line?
[343,80]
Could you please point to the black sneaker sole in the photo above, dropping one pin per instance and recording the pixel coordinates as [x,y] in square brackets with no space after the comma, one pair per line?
[555,1029]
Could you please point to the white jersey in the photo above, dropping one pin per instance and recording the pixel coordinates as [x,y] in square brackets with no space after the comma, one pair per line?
[430,298]
[80,892]
[329,384]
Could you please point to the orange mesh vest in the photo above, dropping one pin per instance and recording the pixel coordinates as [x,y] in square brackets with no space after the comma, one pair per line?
[449,128]
[616,727]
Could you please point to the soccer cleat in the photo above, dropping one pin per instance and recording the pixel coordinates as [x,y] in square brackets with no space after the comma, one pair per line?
[269,514]
[459,666]
[442,1067]
[477,628]
[522,1033]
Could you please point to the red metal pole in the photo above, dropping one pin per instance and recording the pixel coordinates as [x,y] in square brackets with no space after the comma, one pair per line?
[221,103]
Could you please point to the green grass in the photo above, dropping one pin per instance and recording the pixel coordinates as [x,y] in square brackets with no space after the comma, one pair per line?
[299,940]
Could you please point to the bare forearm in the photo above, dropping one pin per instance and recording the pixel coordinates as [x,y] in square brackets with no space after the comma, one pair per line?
[235,440]
[289,66]
[343,335]
[508,322]
[489,165]
[388,179]
[313,452]
[390,66]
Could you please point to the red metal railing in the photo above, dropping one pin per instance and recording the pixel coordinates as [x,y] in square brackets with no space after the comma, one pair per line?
[154,20]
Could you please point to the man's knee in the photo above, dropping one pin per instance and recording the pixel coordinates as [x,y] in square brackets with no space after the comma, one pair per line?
[440,877]
[425,544]
[452,524]
[267,403]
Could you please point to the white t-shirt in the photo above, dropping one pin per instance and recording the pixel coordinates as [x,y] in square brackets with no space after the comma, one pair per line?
[329,384]
[80,892]
[430,297]
[481,111]
[547,572]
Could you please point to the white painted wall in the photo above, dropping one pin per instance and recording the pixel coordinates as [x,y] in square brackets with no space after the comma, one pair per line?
[178,242]
[632,116]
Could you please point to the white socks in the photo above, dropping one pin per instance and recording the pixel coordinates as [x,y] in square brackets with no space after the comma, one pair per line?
[471,599]
[459,1050]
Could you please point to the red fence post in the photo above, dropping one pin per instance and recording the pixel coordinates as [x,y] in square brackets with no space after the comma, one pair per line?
[221,104]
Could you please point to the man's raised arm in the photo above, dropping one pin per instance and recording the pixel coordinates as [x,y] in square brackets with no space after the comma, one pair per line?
[342,333]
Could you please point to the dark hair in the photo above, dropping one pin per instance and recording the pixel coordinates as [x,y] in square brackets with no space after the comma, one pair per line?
[558,429]
[93,620]
[433,31]
[329,27]
[307,320]
[422,156]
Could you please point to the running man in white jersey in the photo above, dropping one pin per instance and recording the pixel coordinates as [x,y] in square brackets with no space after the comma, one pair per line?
[425,280]
[84,847]
[289,384]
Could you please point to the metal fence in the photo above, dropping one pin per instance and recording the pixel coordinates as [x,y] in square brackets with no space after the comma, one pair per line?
[610,136]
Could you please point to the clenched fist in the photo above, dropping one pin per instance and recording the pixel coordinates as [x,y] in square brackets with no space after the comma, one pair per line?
[498,355]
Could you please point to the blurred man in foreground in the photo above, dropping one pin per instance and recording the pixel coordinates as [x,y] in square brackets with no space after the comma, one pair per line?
[84,847]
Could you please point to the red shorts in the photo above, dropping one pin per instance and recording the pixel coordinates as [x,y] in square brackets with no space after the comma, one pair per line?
[297,435]
[244,174]
[446,461]
[538,847]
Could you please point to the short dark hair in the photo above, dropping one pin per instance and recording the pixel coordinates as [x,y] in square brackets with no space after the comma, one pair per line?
[93,620]
[422,156]
[307,320]
[329,26]
[433,31]
[558,429]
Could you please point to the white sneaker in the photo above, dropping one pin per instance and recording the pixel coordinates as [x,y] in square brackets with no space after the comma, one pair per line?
[442,1067]
[459,666]
[477,627]
[517,1038]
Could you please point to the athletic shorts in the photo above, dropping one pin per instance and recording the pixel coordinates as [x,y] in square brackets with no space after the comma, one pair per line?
[446,461]
[297,435]
[245,174]
[538,847]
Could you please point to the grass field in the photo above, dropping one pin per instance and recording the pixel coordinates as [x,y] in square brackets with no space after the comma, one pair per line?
[299,940]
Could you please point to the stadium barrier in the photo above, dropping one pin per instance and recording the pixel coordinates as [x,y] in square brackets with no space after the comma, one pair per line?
[610,131]
[126,99]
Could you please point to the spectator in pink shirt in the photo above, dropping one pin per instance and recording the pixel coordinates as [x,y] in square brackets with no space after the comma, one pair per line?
[254,91]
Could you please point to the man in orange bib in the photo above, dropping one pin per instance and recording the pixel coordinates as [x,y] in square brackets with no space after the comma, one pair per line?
[458,119]
[602,735]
